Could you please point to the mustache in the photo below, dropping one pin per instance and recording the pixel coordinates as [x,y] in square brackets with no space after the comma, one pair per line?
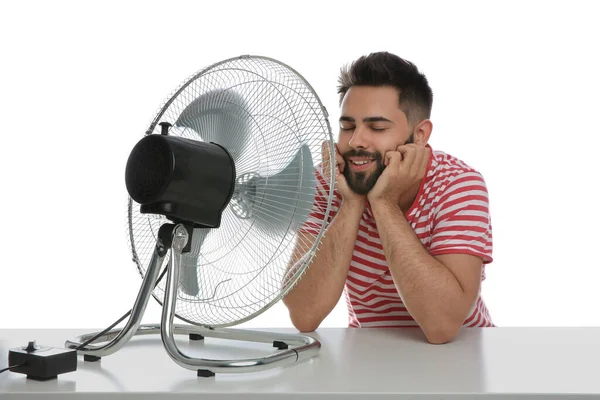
[366,154]
[361,153]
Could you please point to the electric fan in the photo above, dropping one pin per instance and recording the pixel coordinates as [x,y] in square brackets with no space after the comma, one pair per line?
[219,188]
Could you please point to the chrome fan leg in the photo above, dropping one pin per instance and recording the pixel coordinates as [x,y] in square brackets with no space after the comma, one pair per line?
[294,347]
[118,337]
[307,346]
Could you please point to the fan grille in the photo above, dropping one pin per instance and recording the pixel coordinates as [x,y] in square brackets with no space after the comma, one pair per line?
[263,113]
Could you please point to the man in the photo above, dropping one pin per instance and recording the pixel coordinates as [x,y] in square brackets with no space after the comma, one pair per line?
[409,233]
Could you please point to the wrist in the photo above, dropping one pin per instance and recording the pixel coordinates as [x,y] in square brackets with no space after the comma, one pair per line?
[356,205]
[384,206]
[382,202]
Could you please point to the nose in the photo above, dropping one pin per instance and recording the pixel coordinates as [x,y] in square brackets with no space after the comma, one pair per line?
[358,139]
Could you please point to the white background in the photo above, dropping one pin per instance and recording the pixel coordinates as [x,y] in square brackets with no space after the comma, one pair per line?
[516,86]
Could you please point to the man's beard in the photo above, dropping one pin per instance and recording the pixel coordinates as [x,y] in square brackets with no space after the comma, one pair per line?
[362,182]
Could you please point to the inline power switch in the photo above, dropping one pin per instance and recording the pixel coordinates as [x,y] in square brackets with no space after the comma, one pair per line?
[42,363]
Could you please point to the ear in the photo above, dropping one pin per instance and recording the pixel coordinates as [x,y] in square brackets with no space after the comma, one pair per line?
[423,132]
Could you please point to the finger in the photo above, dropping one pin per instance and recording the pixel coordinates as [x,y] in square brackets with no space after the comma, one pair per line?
[392,159]
[339,160]
[419,155]
[425,161]
[421,160]
[326,157]
[325,150]
[408,153]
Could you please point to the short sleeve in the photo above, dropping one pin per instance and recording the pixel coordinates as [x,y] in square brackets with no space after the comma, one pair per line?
[461,221]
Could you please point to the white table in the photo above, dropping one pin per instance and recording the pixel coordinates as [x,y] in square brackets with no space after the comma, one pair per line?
[352,363]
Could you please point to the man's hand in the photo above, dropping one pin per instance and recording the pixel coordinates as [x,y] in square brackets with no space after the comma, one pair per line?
[405,168]
[340,180]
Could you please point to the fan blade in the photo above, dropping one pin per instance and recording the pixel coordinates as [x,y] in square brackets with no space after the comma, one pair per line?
[188,281]
[284,201]
[220,117]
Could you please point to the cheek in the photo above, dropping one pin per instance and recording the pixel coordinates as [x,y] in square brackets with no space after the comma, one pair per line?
[343,142]
[343,137]
[391,143]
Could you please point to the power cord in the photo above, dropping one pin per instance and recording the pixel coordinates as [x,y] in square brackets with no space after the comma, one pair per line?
[57,362]
[12,366]
[117,322]
[97,335]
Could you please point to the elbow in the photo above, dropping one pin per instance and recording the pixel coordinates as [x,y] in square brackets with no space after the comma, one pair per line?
[439,338]
[441,334]
[306,327]
[305,323]
[301,320]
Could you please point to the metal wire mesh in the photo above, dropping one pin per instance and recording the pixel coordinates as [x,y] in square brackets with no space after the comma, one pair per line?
[265,114]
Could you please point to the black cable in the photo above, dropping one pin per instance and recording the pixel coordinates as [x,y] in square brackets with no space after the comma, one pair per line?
[119,320]
[99,334]
[11,367]
[104,331]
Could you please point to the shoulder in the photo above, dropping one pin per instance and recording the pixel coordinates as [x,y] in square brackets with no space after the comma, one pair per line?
[454,183]
[447,171]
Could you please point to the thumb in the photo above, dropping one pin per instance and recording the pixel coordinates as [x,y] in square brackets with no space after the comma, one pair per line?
[325,150]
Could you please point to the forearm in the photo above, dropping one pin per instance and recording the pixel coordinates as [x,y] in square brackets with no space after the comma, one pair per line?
[431,293]
[320,288]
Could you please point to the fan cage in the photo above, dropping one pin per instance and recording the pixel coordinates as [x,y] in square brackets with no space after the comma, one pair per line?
[285,114]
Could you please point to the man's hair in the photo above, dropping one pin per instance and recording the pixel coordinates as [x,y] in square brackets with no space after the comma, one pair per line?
[386,69]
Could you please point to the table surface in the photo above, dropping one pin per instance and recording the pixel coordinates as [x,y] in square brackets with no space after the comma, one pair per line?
[350,364]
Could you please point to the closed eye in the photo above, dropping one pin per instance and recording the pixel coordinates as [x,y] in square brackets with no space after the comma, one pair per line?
[373,128]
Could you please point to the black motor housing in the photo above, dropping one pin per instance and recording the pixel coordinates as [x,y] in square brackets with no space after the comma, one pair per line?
[188,181]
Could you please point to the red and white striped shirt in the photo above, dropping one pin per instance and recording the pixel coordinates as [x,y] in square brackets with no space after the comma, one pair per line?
[449,215]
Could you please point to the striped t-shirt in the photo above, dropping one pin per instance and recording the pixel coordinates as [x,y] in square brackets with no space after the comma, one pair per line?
[449,215]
